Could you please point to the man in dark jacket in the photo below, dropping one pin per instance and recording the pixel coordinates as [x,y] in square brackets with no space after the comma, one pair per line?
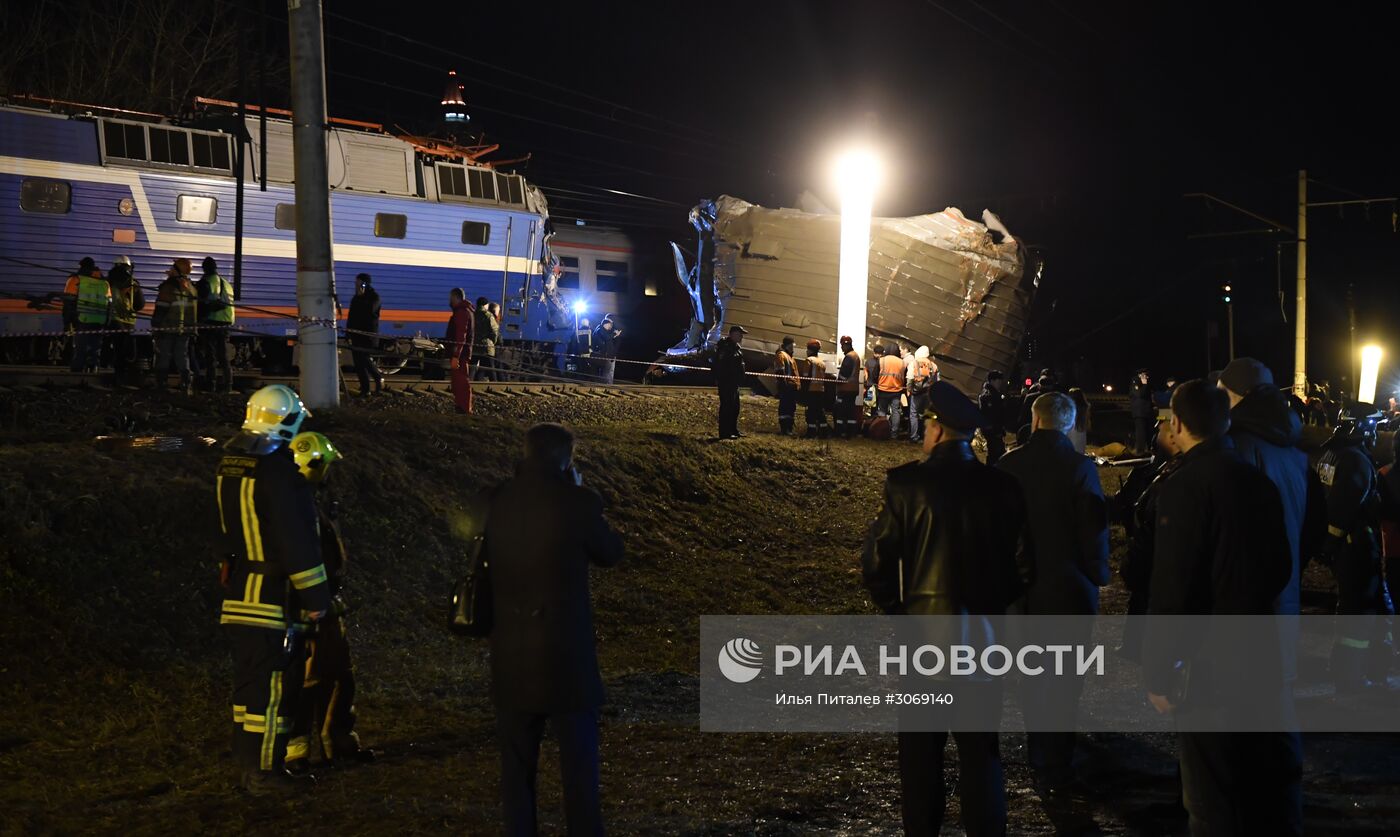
[1143,411]
[362,325]
[544,661]
[729,373]
[1135,506]
[1360,652]
[1266,431]
[993,405]
[487,335]
[1222,548]
[1068,522]
[847,413]
[460,328]
[605,339]
[947,541]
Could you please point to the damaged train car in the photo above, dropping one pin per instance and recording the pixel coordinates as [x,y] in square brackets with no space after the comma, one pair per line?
[961,288]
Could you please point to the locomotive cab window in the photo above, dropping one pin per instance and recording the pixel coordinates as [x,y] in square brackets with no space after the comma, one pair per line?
[52,197]
[196,209]
[475,232]
[612,277]
[388,225]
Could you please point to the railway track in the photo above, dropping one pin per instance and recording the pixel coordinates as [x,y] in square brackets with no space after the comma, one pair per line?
[16,378]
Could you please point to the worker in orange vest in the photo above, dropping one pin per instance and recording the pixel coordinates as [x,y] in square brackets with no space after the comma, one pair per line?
[785,367]
[889,386]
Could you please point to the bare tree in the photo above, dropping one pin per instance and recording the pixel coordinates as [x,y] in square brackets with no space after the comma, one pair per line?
[150,55]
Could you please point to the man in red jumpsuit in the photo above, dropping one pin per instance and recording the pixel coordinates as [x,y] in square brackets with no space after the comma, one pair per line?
[459,349]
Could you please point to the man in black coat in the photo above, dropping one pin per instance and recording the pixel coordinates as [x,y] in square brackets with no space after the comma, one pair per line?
[1143,411]
[1266,431]
[1068,522]
[729,373]
[543,531]
[363,324]
[1222,548]
[948,541]
[993,405]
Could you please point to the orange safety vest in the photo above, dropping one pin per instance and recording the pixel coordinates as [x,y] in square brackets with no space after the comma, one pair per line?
[891,374]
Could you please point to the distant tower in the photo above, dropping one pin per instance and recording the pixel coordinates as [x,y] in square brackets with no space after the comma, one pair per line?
[454,107]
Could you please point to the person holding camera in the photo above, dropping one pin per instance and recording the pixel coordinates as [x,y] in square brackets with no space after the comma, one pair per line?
[544,659]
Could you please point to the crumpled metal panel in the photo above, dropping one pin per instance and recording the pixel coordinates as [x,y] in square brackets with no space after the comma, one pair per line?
[941,280]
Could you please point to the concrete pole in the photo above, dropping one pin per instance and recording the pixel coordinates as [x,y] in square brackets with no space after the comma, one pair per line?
[1230,314]
[320,372]
[1300,341]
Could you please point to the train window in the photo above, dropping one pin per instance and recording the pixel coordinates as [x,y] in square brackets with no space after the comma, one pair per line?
[509,188]
[285,217]
[612,277]
[483,184]
[126,141]
[211,151]
[53,197]
[196,209]
[569,279]
[452,180]
[475,232]
[388,225]
[170,146]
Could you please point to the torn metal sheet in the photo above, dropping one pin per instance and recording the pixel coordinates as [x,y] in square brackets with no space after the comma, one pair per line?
[960,287]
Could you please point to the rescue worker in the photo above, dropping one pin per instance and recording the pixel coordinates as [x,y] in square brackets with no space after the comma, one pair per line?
[459,348]
[919,378]
[889,387]
[487,335]
[86,267]
[872,375]
[813,384]
[275,585]
[171,324]
[847,390]
[580,357]
[993,405]
[729,373]
[605,340]
[326,712]
[127,299]
[362,327]
[937,514]
[785,367]
[216,316]
[92,310]
[1352,549]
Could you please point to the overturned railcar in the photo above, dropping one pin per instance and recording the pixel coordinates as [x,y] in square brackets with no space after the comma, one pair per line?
[960,287]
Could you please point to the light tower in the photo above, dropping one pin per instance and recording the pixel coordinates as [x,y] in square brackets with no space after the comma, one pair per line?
[454,107]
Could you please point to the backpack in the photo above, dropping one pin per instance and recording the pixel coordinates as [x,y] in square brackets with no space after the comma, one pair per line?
[922,381]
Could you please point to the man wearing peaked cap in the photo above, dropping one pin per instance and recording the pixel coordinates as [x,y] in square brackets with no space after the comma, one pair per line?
[948,540]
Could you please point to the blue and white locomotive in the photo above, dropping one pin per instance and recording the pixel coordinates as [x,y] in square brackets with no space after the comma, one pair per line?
[105,184]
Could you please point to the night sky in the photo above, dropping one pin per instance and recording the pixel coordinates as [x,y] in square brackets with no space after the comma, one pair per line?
[1081,124]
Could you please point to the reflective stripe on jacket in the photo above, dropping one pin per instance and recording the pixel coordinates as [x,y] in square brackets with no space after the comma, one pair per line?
[891,374]
[219,302]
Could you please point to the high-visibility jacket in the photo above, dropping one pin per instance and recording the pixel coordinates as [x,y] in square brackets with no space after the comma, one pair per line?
[216,299]
[891,374]
[268,519]
[784,365]
[94,300]
[848,376]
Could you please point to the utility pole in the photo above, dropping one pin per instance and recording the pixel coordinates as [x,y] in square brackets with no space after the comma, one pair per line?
[1300,339]
[1351,317]
[319,362]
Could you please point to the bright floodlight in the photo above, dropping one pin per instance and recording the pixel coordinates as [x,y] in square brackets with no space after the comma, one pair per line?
[1370,370]
[857,173]
[580,306]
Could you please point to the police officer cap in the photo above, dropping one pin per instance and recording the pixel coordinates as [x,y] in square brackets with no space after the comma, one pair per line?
[738,328]
[950,408]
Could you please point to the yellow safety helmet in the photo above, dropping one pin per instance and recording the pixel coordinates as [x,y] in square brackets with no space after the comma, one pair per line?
[275,411]
[314,454]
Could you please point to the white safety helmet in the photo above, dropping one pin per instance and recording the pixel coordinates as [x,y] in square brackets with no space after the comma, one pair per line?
[275,411]
[126,260]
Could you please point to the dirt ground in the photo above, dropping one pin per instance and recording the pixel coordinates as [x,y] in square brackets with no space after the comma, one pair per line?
[113,672]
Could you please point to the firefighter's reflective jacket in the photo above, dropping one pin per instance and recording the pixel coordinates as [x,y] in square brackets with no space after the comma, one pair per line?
[269,522]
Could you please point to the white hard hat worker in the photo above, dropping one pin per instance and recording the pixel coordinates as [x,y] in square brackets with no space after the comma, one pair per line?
[314,454]
[273,419]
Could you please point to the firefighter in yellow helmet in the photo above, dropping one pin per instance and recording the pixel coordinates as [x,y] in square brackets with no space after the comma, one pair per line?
[275,585]
[326,713]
